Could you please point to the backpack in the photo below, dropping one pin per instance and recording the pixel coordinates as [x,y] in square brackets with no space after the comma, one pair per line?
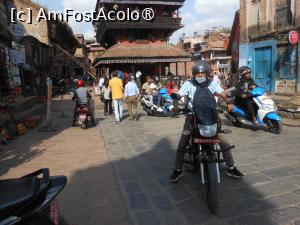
[204,102]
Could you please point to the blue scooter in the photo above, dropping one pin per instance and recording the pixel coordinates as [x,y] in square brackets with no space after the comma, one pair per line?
[267,116]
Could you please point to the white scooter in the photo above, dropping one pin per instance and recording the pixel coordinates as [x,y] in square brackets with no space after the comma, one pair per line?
[267,116]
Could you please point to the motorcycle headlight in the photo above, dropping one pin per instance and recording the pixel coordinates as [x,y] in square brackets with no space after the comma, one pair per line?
[208,131]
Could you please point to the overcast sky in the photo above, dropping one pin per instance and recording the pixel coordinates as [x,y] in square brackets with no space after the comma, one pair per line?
[198,15]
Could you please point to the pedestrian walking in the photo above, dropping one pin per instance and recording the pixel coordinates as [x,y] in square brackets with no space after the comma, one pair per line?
[106,92]
[131,97]
[175,102]
[116,87]
[100,87]
[138,79]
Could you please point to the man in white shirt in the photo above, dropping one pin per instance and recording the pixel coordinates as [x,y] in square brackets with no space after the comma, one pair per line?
[101,83]
[131,97]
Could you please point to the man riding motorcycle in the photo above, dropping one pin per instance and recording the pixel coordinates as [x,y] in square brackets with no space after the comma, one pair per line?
[201,72]
[243,88]
[82,97]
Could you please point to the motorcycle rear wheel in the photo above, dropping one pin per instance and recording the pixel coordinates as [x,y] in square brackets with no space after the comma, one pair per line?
[212,187]
[84,125]
[273,126]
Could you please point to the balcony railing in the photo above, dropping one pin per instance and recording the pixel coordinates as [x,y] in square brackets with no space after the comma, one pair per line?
[158,22]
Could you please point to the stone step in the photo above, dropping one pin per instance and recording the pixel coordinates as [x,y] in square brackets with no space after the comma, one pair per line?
[37,109]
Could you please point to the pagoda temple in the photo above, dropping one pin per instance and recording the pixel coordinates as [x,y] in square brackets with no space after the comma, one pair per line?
[142,45]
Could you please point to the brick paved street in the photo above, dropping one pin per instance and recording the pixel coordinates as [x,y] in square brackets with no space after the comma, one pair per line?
[118,174]
[92,195]
[143,157]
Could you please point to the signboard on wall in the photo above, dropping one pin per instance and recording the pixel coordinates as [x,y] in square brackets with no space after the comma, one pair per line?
[17,55]
[294,37]
[17,30]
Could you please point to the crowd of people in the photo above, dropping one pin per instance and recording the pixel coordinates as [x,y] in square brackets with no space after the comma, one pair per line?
[117,88]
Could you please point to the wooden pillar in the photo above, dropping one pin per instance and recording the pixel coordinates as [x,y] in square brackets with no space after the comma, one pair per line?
[133,69]
[185,71]
[176,69]
[159,69]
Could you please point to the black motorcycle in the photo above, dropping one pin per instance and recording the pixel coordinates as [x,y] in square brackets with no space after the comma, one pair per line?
[203,152]
[30,199]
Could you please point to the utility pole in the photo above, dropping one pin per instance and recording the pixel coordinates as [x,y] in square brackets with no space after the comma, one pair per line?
[298,70]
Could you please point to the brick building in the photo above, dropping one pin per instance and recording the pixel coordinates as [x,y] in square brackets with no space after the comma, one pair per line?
[192,44]
[215,52]
[264,45]
[81,54]
[95,50]
[40,40]
[211,47]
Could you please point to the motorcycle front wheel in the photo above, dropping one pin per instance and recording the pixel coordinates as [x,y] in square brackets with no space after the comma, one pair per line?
[148,111]
[212,187]
[273,126]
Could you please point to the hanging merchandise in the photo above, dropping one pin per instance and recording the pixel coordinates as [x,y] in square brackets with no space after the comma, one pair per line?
[14,76]
[7,126]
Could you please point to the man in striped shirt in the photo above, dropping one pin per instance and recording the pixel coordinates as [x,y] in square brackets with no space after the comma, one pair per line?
[201,71]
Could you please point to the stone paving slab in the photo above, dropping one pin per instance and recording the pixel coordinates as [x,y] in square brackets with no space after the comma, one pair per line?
[119,174]
[92,195]
[268,194]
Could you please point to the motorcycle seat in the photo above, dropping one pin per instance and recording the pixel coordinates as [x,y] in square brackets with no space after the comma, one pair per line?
[15,193]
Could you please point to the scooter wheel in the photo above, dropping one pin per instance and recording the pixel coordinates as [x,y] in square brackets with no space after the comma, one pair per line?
[273,126]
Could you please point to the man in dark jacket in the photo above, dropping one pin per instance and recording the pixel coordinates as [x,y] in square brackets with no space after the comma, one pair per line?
[244,86]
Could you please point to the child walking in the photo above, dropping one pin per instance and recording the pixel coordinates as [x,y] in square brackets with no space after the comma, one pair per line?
[107,98]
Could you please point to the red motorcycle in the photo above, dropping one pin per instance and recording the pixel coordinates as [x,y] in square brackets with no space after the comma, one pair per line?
[84,116]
